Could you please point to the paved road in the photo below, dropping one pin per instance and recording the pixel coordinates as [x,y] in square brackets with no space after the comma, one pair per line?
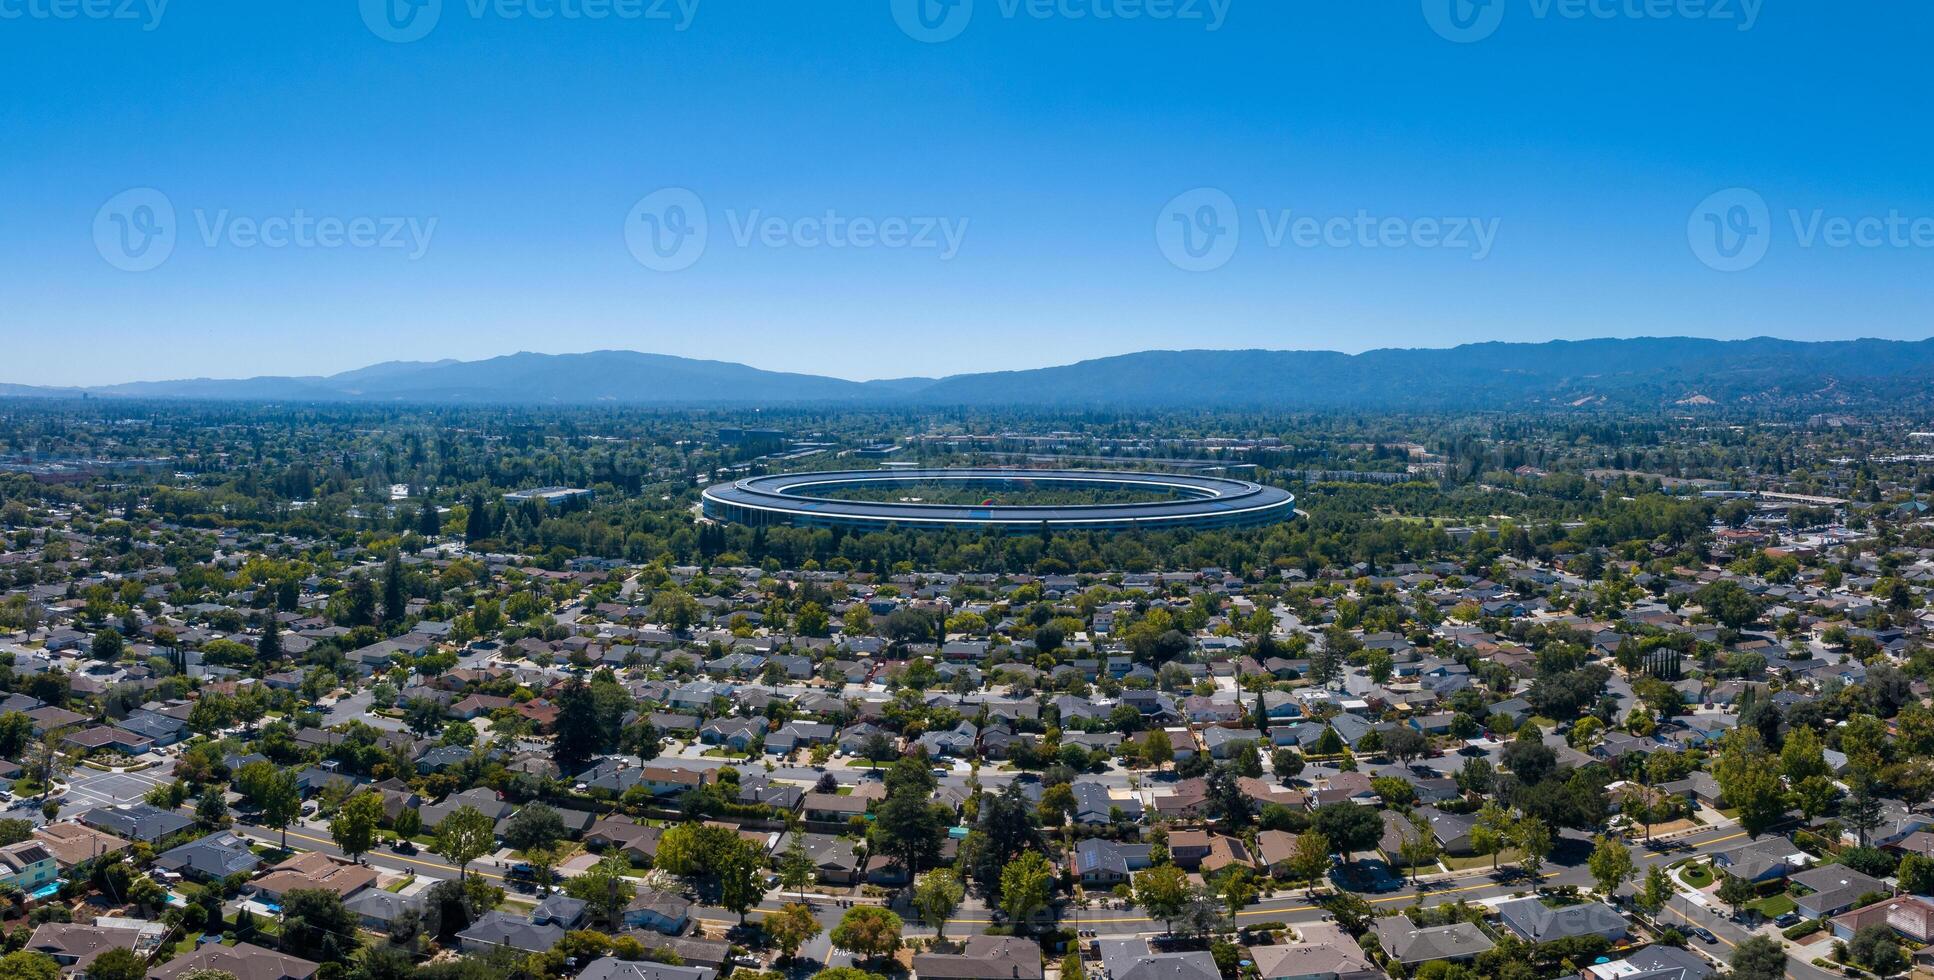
[310,839]
[1730,934]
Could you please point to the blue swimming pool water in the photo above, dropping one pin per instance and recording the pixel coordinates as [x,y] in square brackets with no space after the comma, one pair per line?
[47,890]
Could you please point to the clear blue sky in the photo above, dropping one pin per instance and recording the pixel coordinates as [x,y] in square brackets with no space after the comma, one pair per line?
[1587,143]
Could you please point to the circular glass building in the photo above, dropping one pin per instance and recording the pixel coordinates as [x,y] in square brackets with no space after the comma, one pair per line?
[1161,500]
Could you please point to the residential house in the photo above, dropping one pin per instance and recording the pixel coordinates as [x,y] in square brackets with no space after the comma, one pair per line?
[612,968]
[1766,859]
[210,858]
[137,821]
[1323,952]
[1910,916]
[658,911]
[1535,922]
[983,958]
[27,865]
[1104,864]
[1409,945]
[243,961]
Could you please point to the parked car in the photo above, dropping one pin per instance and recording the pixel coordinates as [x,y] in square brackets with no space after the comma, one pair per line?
[1704,934]
[1789,919]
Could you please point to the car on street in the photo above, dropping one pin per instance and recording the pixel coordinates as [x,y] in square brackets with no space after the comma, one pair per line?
[1703,934]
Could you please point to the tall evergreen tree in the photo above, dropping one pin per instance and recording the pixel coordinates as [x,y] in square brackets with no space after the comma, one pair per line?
[395,597]
[269,647]
[477,526]
[578,733]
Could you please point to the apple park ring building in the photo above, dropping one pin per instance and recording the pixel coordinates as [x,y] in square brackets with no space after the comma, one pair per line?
[1182,501]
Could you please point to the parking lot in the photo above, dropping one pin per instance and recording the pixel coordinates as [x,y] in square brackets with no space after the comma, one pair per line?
[89,788]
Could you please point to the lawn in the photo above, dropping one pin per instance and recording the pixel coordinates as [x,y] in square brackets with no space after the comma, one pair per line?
[1696,875]
[1506,858]
[1773,906]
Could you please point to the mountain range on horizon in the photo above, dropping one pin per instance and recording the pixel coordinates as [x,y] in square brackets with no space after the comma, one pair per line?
[1646,372]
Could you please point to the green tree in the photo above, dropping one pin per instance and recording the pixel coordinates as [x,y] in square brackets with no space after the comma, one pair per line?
[409,823]
[1492,831]
[1734,891]
[1758,958]
[316,926]
[1803,756]
[118,963]
[1874,947]
[791,927]
[534,826]
[796,868]
[28,965]
[1287,763]
[465,835]
[1814,795]
[740,879]
[1163,892]
[577,734]
[268,649]
[1418,847]
[1657,890]
[395,597]
[937,897]
[1026,883]
[868,931]
[1610,864]
[273,793]
[1157,750]
[606,888]
[1862,809]
[354,826]
[1532,837]
[1750,781]
[1310,859]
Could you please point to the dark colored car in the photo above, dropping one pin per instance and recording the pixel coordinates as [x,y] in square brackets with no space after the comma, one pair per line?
[1705,935]
[1789,919]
